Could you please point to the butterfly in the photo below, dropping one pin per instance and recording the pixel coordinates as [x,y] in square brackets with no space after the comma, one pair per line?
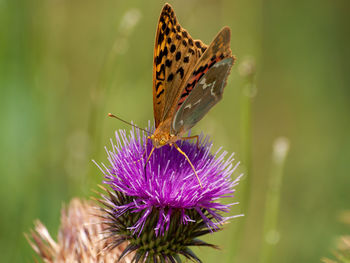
[188,80]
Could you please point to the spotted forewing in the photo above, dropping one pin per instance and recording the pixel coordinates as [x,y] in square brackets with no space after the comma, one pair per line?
[175,56]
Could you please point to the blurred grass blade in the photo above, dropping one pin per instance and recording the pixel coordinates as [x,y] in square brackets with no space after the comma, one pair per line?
[248,91]
[247,71]
[271,235]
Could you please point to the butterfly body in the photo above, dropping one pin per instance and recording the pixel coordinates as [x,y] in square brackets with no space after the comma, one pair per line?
[188,79]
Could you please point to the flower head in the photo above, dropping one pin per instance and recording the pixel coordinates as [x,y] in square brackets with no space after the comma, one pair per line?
[159,206]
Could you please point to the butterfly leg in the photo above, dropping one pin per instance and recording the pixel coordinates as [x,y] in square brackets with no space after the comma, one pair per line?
[188,159]
[149,157]
[192,137]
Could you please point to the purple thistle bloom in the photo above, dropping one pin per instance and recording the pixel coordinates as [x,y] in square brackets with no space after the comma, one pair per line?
[167,189]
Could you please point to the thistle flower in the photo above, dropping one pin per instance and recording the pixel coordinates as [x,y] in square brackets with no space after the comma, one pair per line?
[79,237]
[159,208]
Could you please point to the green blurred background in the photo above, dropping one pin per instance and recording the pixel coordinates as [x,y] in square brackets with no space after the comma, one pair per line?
[65,64]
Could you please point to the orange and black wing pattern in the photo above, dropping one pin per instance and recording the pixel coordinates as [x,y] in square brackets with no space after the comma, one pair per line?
[175,56]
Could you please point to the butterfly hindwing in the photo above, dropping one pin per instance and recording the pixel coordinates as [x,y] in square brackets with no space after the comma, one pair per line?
[205,85]
[207,92]
[175,54]
[218,49]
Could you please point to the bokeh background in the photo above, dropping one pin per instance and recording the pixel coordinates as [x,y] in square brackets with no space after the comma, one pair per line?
[65,64]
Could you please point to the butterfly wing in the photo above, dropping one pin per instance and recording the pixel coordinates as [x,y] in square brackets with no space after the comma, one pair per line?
[175,54]
[205,85]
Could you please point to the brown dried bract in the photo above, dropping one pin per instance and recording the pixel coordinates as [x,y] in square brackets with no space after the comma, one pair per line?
[81,237]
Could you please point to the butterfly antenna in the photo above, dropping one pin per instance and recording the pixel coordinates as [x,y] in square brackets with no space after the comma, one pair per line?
[113,116]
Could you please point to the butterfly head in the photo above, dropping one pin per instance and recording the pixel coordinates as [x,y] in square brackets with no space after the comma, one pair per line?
[160,139]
